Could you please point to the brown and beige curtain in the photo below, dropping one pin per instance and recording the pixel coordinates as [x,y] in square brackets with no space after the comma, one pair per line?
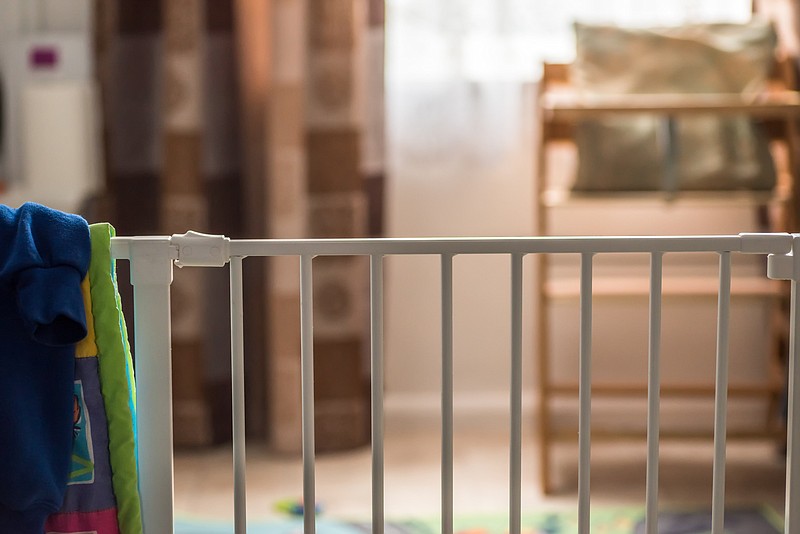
[252,118]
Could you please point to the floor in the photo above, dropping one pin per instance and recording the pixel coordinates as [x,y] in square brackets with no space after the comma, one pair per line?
[204,484]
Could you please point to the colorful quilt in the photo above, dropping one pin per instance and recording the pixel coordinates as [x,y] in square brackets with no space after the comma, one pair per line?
[604,520]
[102,496]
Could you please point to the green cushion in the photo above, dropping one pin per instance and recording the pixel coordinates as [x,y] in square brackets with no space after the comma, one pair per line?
[713,152]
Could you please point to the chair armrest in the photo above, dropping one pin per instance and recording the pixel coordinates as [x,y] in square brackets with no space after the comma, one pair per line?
[570,105]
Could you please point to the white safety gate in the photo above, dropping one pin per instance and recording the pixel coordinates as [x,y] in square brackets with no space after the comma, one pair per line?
[152,259]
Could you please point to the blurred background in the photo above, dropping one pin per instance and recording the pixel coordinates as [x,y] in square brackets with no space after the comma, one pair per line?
[329,118]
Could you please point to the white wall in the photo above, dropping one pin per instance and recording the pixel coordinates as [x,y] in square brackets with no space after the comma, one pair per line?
[459,165]
[53,112]
[53,15]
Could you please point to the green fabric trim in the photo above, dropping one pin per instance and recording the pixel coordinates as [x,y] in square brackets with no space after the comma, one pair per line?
[116,378]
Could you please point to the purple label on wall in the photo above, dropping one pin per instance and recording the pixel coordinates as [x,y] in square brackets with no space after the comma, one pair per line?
[43,57]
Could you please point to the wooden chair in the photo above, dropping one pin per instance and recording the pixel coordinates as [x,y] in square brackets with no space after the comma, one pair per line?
[559,107]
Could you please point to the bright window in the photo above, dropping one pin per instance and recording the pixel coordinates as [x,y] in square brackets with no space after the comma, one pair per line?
[483,40]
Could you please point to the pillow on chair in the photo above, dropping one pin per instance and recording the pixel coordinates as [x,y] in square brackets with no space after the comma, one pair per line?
[713,152]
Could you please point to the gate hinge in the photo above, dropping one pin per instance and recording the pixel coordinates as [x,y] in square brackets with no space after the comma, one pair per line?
[785,266]
[201,250]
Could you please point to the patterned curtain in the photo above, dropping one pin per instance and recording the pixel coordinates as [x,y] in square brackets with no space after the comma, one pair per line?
[252,118]
[167,71]
[317,188]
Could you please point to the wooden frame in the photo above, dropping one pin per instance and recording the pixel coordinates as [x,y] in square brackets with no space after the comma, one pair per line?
[558,107]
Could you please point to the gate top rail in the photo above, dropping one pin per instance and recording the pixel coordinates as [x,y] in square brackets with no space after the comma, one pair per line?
[194,249]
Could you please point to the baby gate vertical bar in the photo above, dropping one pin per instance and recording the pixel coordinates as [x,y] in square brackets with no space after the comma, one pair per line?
[543,369]
[792,512]
[307,372]
[515,463]
[376,307]
[151,276]
[585,395]
[237,379]
[447,393]
[653,392]
[721,394]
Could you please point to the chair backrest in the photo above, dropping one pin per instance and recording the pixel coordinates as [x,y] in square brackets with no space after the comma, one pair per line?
[781,131]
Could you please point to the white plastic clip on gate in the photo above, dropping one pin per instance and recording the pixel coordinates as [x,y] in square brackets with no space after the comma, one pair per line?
[151,275]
